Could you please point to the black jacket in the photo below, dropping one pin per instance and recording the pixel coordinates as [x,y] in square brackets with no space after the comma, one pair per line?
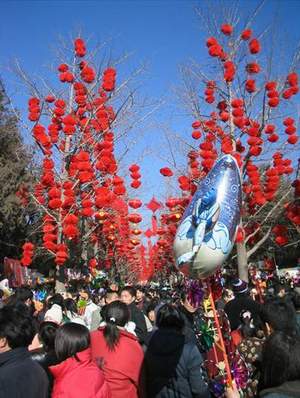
[234,308]
[172,367]
[138,318]
[20,376]
[45,360]
[290,389]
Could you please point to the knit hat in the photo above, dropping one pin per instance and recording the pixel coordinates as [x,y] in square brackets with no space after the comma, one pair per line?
[54,314]
[239,286]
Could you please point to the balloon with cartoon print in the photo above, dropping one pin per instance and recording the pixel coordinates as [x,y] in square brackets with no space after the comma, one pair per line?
[206,235]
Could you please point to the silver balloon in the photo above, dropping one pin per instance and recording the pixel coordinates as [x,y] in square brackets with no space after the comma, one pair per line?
[206,235]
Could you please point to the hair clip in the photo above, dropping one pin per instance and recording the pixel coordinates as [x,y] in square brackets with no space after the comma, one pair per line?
[112,319]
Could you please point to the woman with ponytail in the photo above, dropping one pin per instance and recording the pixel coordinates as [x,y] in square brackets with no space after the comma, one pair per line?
[118,352]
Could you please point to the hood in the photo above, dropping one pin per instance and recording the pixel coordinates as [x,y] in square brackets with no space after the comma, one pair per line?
[14,355]
[166,342]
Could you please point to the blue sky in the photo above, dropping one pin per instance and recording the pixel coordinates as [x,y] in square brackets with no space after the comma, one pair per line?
[163,33]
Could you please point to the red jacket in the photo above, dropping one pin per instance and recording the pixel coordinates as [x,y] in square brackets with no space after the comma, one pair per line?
[122,366]
[80,378]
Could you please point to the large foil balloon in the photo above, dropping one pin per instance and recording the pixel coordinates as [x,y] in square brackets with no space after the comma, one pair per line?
[206,235]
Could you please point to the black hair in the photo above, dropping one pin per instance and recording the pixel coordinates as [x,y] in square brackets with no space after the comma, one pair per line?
[169,316]
[280,360]
[24,293]
[70,305]
[70,339]
[16,325]
[115,314]
[21,295]
[280,314]
[56,299]
[130,289]
[47,333]
[251,326]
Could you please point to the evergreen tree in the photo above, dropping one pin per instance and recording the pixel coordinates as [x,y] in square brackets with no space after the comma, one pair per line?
[14,174]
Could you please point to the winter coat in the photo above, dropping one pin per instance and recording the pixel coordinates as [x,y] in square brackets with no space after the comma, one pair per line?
[122,365]
[88,313]
[172,367]
[234,308]
[138,318]
[79,377]
[45,360]
[20,376]
[290,389]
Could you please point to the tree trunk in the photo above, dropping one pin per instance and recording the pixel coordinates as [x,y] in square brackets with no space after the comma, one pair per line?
[242,261]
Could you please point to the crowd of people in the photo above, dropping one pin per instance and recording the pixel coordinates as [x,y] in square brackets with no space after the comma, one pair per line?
[134,341]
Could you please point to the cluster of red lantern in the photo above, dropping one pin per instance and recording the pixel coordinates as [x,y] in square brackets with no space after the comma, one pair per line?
[61,254]
[196,134]
[34,109]
[250,86]
[79,46]
[293,208]
[252,68]
[65,75]
[229,71]
[210,91]
[282,165]
[109,79]
[166,172]
[70,228]
[135,175]
[193,162]
[240,235]
[26,259]
[272,94]
[272,183]
[270,130]
[254,189]
[254,46]
[292,84]
[291,130]
[87,73]
[50,233]
[281,234]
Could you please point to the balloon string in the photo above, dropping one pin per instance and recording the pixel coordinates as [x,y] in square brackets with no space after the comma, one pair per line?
[221,340]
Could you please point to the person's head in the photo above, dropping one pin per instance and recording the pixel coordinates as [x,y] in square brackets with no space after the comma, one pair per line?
[116,315]
[280,290]
[279,315]
[23,295]
[85,295]
[111,296]
[16,327]
[169,317]
[140,293]
[71,339]
[251,325]
[47,333]
[114,287]
[56,299]
[150,312]
[280,360]
[70,305]
[239,287]
[128,295]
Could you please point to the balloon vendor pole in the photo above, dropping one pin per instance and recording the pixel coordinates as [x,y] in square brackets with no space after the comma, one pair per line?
[222,344]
